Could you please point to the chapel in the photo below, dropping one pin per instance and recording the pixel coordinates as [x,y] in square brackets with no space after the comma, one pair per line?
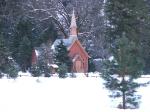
[77,53]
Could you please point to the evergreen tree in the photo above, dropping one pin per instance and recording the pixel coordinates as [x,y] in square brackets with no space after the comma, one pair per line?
[91,65]
[124,22]
[44,59]
[145,43]
[120,73]
[22,44]
[4,54]
[35,70]
[48,35]
[28,35]
[61,56]
[63,69]
[130,17]
[12,69]
[146,53]
[7,64]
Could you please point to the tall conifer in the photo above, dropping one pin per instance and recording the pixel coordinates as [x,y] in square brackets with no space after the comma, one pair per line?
[61,56]
[22,43]
[125,18]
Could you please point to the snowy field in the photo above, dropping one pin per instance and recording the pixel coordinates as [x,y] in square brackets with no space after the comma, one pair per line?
[81,94]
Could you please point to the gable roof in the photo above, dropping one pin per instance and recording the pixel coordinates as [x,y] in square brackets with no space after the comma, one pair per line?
[67,42]
[78,42]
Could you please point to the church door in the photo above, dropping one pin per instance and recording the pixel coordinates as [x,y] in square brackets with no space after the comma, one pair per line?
[79,67]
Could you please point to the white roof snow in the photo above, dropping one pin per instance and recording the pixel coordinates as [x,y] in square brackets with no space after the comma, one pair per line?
[67,42]
[54,65]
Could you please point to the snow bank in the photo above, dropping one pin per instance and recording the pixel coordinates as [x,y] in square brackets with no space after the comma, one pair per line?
[81,94]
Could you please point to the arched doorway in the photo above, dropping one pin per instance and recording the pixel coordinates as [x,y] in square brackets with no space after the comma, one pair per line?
[79,66]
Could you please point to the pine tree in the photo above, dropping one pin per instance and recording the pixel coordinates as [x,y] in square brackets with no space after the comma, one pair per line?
[28,35]
[63,69]
[145,43]
[130,17]
[146,53]
[22,44]
[121,72]
[61,56]
[44,59]
[48,35]
[12,69]
[91,65]
[124,22]
[35,70]
[4,54]
[7,64]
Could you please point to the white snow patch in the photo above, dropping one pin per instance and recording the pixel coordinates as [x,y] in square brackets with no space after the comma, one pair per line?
[98,59]
[111,58]
[20,73]
[54,65]
[81,94]
[37,52]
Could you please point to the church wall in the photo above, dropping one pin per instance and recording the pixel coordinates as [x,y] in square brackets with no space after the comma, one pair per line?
[77,50]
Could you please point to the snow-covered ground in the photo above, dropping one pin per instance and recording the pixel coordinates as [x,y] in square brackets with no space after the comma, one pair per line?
[81,94]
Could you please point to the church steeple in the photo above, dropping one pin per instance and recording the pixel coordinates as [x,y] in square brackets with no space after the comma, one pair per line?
[73,26]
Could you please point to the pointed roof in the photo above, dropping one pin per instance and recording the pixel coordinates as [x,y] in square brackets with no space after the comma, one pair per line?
[78,42]
[73,20]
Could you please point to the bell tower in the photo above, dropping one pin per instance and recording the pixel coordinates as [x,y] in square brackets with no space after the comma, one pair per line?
[73,26]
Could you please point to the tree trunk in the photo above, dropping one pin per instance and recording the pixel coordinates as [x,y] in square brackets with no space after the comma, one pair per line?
[123,95]
[123,100]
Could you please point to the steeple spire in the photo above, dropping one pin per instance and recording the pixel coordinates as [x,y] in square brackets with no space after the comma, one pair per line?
[73,20]
[73,26]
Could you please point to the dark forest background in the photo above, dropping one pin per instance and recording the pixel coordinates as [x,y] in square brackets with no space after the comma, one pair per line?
[26,24]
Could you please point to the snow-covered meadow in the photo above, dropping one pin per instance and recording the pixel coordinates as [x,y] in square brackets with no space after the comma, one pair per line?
[81,94]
